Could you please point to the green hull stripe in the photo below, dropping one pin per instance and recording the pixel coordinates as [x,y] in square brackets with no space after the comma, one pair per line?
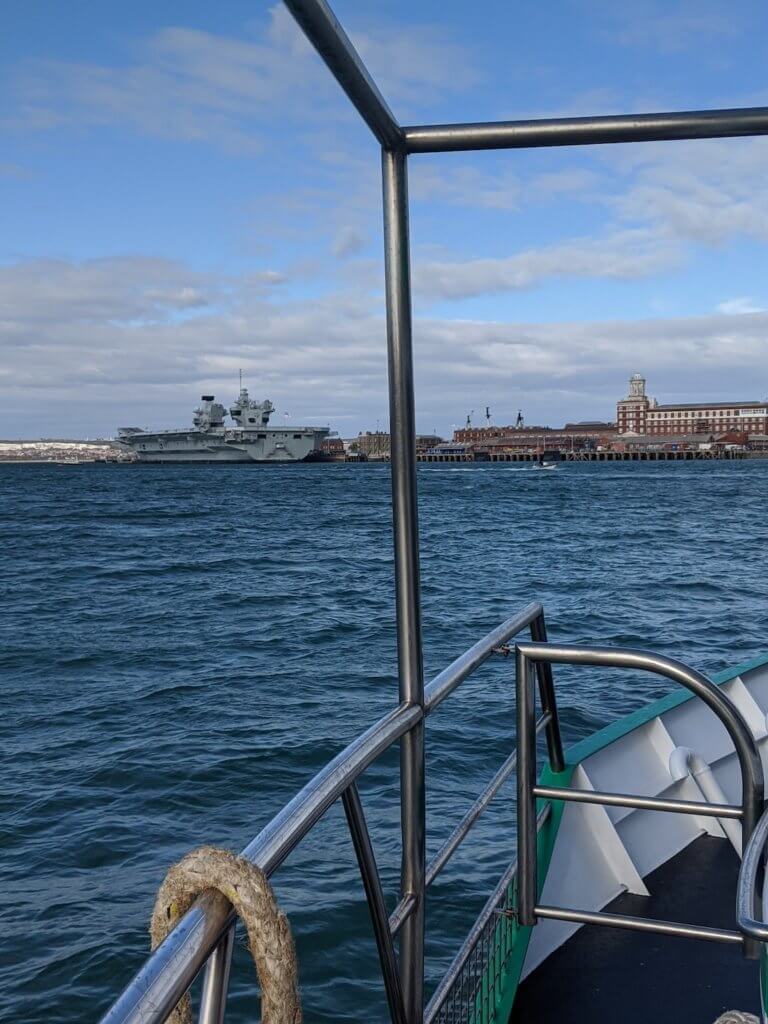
[597,741]
[508,932]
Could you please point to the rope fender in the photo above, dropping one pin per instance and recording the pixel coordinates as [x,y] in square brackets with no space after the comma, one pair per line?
[737,1017]
[269,934]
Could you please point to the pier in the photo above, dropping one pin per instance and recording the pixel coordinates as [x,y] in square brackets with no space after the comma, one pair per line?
[607,456]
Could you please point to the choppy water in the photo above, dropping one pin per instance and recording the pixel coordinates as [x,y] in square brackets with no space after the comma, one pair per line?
[181,648]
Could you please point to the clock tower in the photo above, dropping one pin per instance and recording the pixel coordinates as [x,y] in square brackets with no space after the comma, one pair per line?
[632,411]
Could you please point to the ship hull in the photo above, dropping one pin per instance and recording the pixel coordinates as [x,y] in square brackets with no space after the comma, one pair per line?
[218,459]
[269,446]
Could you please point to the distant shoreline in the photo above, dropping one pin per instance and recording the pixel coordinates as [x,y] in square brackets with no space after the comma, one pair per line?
[605,458]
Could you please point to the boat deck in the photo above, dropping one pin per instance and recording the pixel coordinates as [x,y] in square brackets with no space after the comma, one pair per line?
[609,974]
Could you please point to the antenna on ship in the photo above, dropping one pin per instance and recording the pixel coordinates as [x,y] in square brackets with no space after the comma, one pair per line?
[240,372]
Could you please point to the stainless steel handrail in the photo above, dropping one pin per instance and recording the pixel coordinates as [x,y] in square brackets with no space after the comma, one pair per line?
[643,803]
[587,131]
[461,831]
[746,892]
[319,23]
[445,682]
[171,969]
[527,789]
[639,924]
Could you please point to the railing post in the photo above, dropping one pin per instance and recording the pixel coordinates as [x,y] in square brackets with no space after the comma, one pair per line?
[213,1002]
[361,840]
[407,584]
[548,701]
[526,800]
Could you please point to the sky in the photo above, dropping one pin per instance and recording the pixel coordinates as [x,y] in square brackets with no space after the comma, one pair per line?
[186,192]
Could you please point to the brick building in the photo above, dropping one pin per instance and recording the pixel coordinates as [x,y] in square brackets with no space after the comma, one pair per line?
[632,411]
[481,435]
[639,414]
[571,437]
[375,443]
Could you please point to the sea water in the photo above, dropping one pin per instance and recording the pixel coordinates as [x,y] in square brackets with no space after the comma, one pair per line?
[183,647]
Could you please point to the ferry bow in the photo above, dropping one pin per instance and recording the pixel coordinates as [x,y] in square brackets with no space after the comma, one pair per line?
[612,822]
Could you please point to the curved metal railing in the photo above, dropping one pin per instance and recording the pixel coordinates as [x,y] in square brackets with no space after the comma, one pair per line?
[204,933]
[474,981]
[528,791]
[752,867]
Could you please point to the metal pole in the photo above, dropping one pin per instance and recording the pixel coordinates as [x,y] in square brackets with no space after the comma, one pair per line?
[526,801]
[639,924]
[407,585]
[366,860]
[446,681]
[587,131]
[459,834]
[548,701]
[645,803]
[322,29]
[213,1002]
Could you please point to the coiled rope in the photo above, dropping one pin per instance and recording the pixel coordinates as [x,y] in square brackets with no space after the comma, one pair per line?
[269,935]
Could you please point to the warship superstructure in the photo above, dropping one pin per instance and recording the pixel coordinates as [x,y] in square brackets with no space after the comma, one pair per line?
[250,440]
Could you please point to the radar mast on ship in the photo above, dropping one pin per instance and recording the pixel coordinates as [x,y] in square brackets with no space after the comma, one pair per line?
[209,414]
[247,413]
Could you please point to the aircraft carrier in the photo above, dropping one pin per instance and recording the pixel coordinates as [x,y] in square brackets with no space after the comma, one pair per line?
[251,439]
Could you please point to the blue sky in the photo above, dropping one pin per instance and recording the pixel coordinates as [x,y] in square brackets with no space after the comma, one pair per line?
[185,191]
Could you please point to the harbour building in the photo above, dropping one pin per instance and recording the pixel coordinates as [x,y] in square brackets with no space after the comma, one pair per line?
[375,444]
[639,414]
[583,436]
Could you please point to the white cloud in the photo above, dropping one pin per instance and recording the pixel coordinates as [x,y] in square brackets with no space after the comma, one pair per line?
[667,199]
[739,306]
[187,85]
[109,340]
[472,186]
[349,241]
[465,185]
[621,256]
[705,192]
[191,85]
[668,26]
[261,279]
[415,65]
[51,292]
